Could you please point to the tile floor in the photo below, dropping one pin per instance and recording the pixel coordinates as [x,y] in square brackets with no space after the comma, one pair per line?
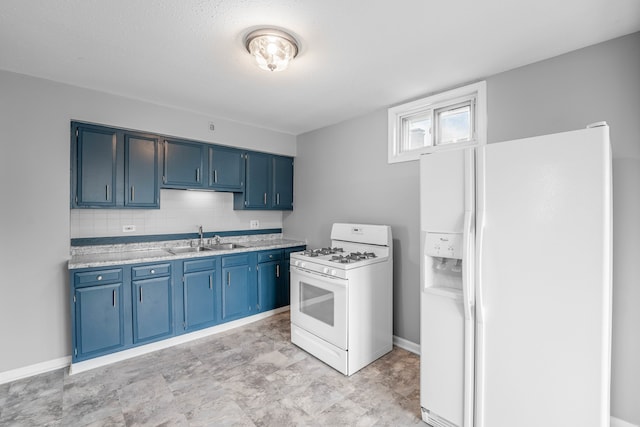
[251,376]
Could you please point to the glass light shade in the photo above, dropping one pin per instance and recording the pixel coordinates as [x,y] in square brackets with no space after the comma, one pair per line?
[272,49]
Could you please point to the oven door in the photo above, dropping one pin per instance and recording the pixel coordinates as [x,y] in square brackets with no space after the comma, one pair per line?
[319,305]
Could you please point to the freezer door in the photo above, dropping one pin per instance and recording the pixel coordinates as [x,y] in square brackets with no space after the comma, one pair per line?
[543,298]
[442,191]
[442,359]
[447,197]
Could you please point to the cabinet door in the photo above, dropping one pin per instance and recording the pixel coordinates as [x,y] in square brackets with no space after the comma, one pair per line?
[96,167]
[282,183]
[235,292]
[183,164]
[199,299]
[99,320]
[269,288]
[226,169]
[141,171]
[151,309]
[257,188]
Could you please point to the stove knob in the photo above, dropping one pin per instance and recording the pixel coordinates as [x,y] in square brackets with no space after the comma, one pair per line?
[302,264]
[325,270]
[333,272]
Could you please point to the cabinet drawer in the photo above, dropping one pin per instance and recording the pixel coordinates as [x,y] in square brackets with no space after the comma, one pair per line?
[270,256]
[155,270]
[230,261]
[97,277]
[200,265]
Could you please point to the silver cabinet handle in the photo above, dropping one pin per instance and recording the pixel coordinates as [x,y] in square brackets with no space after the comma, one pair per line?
[114,297]
[164,172]
[277,198]
[278,270]
[107,192]
[228,278]
[133,193]
[215,176]
[265,198]
[140,293]
[153,272]
[210,282]
[99,277]
[197,174]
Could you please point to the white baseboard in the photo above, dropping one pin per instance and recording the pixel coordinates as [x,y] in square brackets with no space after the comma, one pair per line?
[75,368]
[31,370]
[407,345]
[617,422]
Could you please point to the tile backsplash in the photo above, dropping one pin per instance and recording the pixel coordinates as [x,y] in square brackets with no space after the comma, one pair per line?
[181,211]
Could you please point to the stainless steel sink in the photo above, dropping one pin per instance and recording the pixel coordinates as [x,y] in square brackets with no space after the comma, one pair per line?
[188,249]
[225,246]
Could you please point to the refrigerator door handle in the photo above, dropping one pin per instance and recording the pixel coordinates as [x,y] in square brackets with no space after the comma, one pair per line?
[467,266]
[479,306]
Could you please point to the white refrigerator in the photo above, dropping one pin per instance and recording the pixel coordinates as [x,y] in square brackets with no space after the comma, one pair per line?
[516,282]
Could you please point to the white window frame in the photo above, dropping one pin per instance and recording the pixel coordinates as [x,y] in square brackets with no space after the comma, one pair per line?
[476,92]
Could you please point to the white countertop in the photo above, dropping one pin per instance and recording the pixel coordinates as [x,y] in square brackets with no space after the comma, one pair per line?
[108,255]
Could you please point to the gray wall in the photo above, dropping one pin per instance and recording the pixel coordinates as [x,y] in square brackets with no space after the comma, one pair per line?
[342,175]
[565,93]
[34,188]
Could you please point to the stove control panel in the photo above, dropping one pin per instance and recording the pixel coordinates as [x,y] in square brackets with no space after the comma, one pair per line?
[330,271]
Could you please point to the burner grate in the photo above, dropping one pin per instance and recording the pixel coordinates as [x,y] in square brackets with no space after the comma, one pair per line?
[322,251]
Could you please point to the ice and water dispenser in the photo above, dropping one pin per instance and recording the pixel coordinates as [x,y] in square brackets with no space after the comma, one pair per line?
[443,261]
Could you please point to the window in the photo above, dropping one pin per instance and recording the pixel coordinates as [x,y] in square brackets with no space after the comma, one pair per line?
[450,119]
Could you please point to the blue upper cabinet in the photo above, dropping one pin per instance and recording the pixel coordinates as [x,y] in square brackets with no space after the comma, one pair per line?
[117,168]
[268,184]
[258,191]
[282,179]
[111,168]
[184,165]
[94,166]
[141,171]
[226,169]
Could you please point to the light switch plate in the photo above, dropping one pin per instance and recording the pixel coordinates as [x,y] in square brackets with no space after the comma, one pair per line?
[254,223]
[128,228]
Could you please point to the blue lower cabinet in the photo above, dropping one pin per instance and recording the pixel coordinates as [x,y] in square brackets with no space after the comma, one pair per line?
[152,312]
[270,275]
[118,307]
[99,320]
[238,300]
[268,285]
[201,290]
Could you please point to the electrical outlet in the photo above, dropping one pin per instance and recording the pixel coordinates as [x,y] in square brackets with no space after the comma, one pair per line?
[212,126]
[128,228]
[254,223]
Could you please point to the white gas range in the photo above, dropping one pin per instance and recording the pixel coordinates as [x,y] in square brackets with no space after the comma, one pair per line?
[342,297]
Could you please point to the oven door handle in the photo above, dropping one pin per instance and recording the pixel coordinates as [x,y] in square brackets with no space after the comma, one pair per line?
[335,281]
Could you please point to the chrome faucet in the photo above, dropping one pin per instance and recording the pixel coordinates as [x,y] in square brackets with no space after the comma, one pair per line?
[201,236]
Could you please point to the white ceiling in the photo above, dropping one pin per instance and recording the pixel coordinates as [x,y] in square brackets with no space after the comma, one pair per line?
[356,55]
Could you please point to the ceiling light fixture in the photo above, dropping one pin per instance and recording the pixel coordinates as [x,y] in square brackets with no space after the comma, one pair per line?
[272,49]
